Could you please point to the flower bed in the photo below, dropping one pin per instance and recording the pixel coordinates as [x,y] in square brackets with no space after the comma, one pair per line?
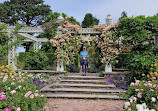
[143,95]
[17,92]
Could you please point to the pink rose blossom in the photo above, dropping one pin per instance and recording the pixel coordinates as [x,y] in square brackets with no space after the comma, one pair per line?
[153,78]
[154,86]
[136,89]
[12,92]
[18,109]
[31,96]
[36,94]
[3,98]
[1,92]
[132,84]
[137,81]
[151,90]
[14,107]
[139,95]
[150,84]
[145,84]
[7,108]
[136,84]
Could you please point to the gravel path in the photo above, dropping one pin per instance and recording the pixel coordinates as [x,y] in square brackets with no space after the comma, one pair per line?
[83,105]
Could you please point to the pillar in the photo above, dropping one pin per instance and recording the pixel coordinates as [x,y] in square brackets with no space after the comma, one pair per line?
[60,65]
[12,51]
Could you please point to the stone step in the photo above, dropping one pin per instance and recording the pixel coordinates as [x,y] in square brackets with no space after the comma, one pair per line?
[82,96]
[97,86]
[85,81]
[79,74]
[84,77]
[81,90]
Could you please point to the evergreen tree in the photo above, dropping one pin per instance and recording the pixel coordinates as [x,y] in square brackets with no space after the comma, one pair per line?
[89,20]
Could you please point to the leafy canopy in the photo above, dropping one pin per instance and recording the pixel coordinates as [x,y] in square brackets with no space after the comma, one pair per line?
[29,12]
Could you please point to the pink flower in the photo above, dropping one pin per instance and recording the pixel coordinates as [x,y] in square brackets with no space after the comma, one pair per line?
[153,78]
[7,108]
[14,107]
[150,84]
[1,92]
[0,102]
[136,89]
[3,98]
[136,84]
[139,95]
[132,84]
[154,86]
[145,84]
[12,92]
[18,109]
[28,93]
[137,81]
[31,96]
[36,94]
[131,98]
[151,90]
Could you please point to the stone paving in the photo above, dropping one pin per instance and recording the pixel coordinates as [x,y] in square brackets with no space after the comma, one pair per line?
[83,105]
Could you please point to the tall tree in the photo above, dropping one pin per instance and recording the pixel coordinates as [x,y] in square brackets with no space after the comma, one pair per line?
[29,12]
[89,20]
[123,15]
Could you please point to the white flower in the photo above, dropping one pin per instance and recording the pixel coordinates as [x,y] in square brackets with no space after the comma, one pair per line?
[9,88]
[18,109]
[127,104]
[12,83]
[152,110]
[135,99]
[139,107]
[131,100]
[19,87]
[153,99]
[146,109]
[144,105]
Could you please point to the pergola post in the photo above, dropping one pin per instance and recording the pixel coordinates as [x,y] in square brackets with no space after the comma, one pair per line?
[12,51]
[36,46]
[60,65]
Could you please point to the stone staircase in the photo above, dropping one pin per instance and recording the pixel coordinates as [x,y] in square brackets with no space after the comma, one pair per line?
[82,87]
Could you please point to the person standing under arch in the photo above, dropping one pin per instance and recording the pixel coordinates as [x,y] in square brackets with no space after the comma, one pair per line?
[84,60]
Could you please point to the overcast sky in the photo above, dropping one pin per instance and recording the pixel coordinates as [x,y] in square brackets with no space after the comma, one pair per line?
[100,8]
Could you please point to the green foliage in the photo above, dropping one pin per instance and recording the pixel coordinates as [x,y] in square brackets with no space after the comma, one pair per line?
[16,87]
[89,20]
[140,59]
[134,29]
[34,60]
[48,60]
[29,12]
[3,45]
[122,60]
[55,15]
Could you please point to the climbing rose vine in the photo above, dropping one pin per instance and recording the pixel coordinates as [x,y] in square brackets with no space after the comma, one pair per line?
[65,43]
[107,42]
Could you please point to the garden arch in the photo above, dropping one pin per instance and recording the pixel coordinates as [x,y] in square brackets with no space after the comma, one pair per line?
[26,31]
